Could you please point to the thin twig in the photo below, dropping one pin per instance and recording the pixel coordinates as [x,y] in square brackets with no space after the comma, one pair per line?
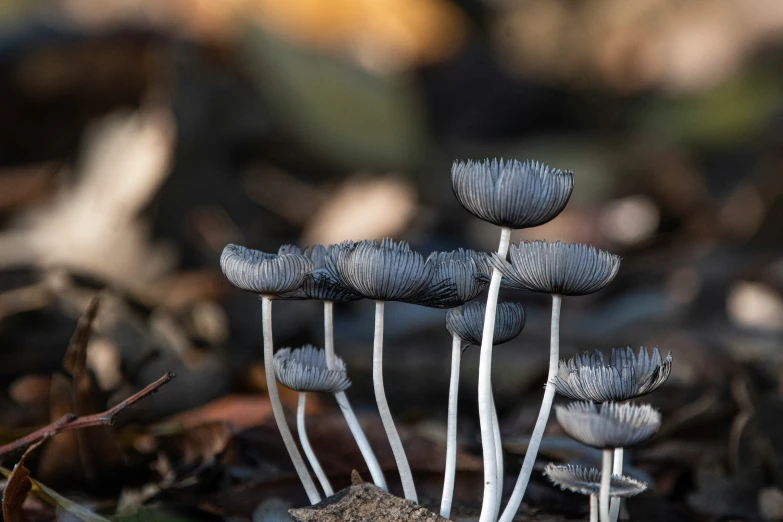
[69,421]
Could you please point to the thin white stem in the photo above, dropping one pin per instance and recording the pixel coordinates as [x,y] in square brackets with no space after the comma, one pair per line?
[383,408]
[451,434]
[606,481]
[345,406]
[277,406]
[308,450]
[489,508]
[593,508]
[498,453]
[617,469]
[543,417]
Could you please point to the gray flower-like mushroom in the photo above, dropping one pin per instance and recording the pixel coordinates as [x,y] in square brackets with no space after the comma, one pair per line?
[467,322]
[587,481]
[319,284]
[304,370]
[387,271]
[557,268]
[511,194]
[459,276]
[611,425]
[586,377]
[262,273]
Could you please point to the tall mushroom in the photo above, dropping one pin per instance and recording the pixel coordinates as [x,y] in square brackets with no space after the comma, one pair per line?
[383,272]
[270,276]
[558,269]
[511,195]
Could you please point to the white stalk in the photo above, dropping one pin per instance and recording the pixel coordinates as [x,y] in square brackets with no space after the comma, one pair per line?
[342,400]
[543,417]
[489,507]
[498,453]
[617,469]
[451,437]
[593,508]
[606,481]
[277,406]
[311,458]
[383,408]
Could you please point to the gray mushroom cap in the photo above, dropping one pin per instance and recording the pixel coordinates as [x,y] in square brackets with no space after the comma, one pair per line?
[318,284]
[459,276]
[387,271]
[587,481]
[611,425]
[304,370]
[511,193]
[467,322]
[556,268]
[262,273]
[586,377]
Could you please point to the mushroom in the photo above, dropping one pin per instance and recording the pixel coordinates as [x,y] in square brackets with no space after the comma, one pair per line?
[608,427]
[466,325]
[558,269]
[511,195]
[588,482]
[305,370]
[271,276]
[383,272]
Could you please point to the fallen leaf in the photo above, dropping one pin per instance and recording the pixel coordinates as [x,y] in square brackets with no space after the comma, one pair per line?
[16,490]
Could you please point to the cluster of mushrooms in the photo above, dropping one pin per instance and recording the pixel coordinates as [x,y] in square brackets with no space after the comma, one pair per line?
[511,195]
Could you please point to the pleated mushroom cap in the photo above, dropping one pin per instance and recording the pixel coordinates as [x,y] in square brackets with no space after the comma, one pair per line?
[262,273]
[467,322]
[511,193]
[557,268]
[586,377]
[387,271]
[611,425]
[459,276]
[319,284]
[304,370]
[587,481]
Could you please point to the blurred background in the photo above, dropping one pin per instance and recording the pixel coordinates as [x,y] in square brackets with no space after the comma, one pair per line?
[139,137]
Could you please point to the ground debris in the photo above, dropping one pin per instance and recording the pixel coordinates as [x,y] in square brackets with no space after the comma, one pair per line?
[364,502]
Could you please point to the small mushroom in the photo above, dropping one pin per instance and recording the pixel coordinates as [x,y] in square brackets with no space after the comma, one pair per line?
[586,377]
[608,427]
[587,481]
[511,195]
[304,370]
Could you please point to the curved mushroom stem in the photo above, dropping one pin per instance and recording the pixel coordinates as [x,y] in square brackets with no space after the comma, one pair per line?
[606,481]
[498,454]
[451,437]
[593,508]
[345,406]
[489,508]
[543,417]
[617,469]
[277,406]
[383,408]
[309,453]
